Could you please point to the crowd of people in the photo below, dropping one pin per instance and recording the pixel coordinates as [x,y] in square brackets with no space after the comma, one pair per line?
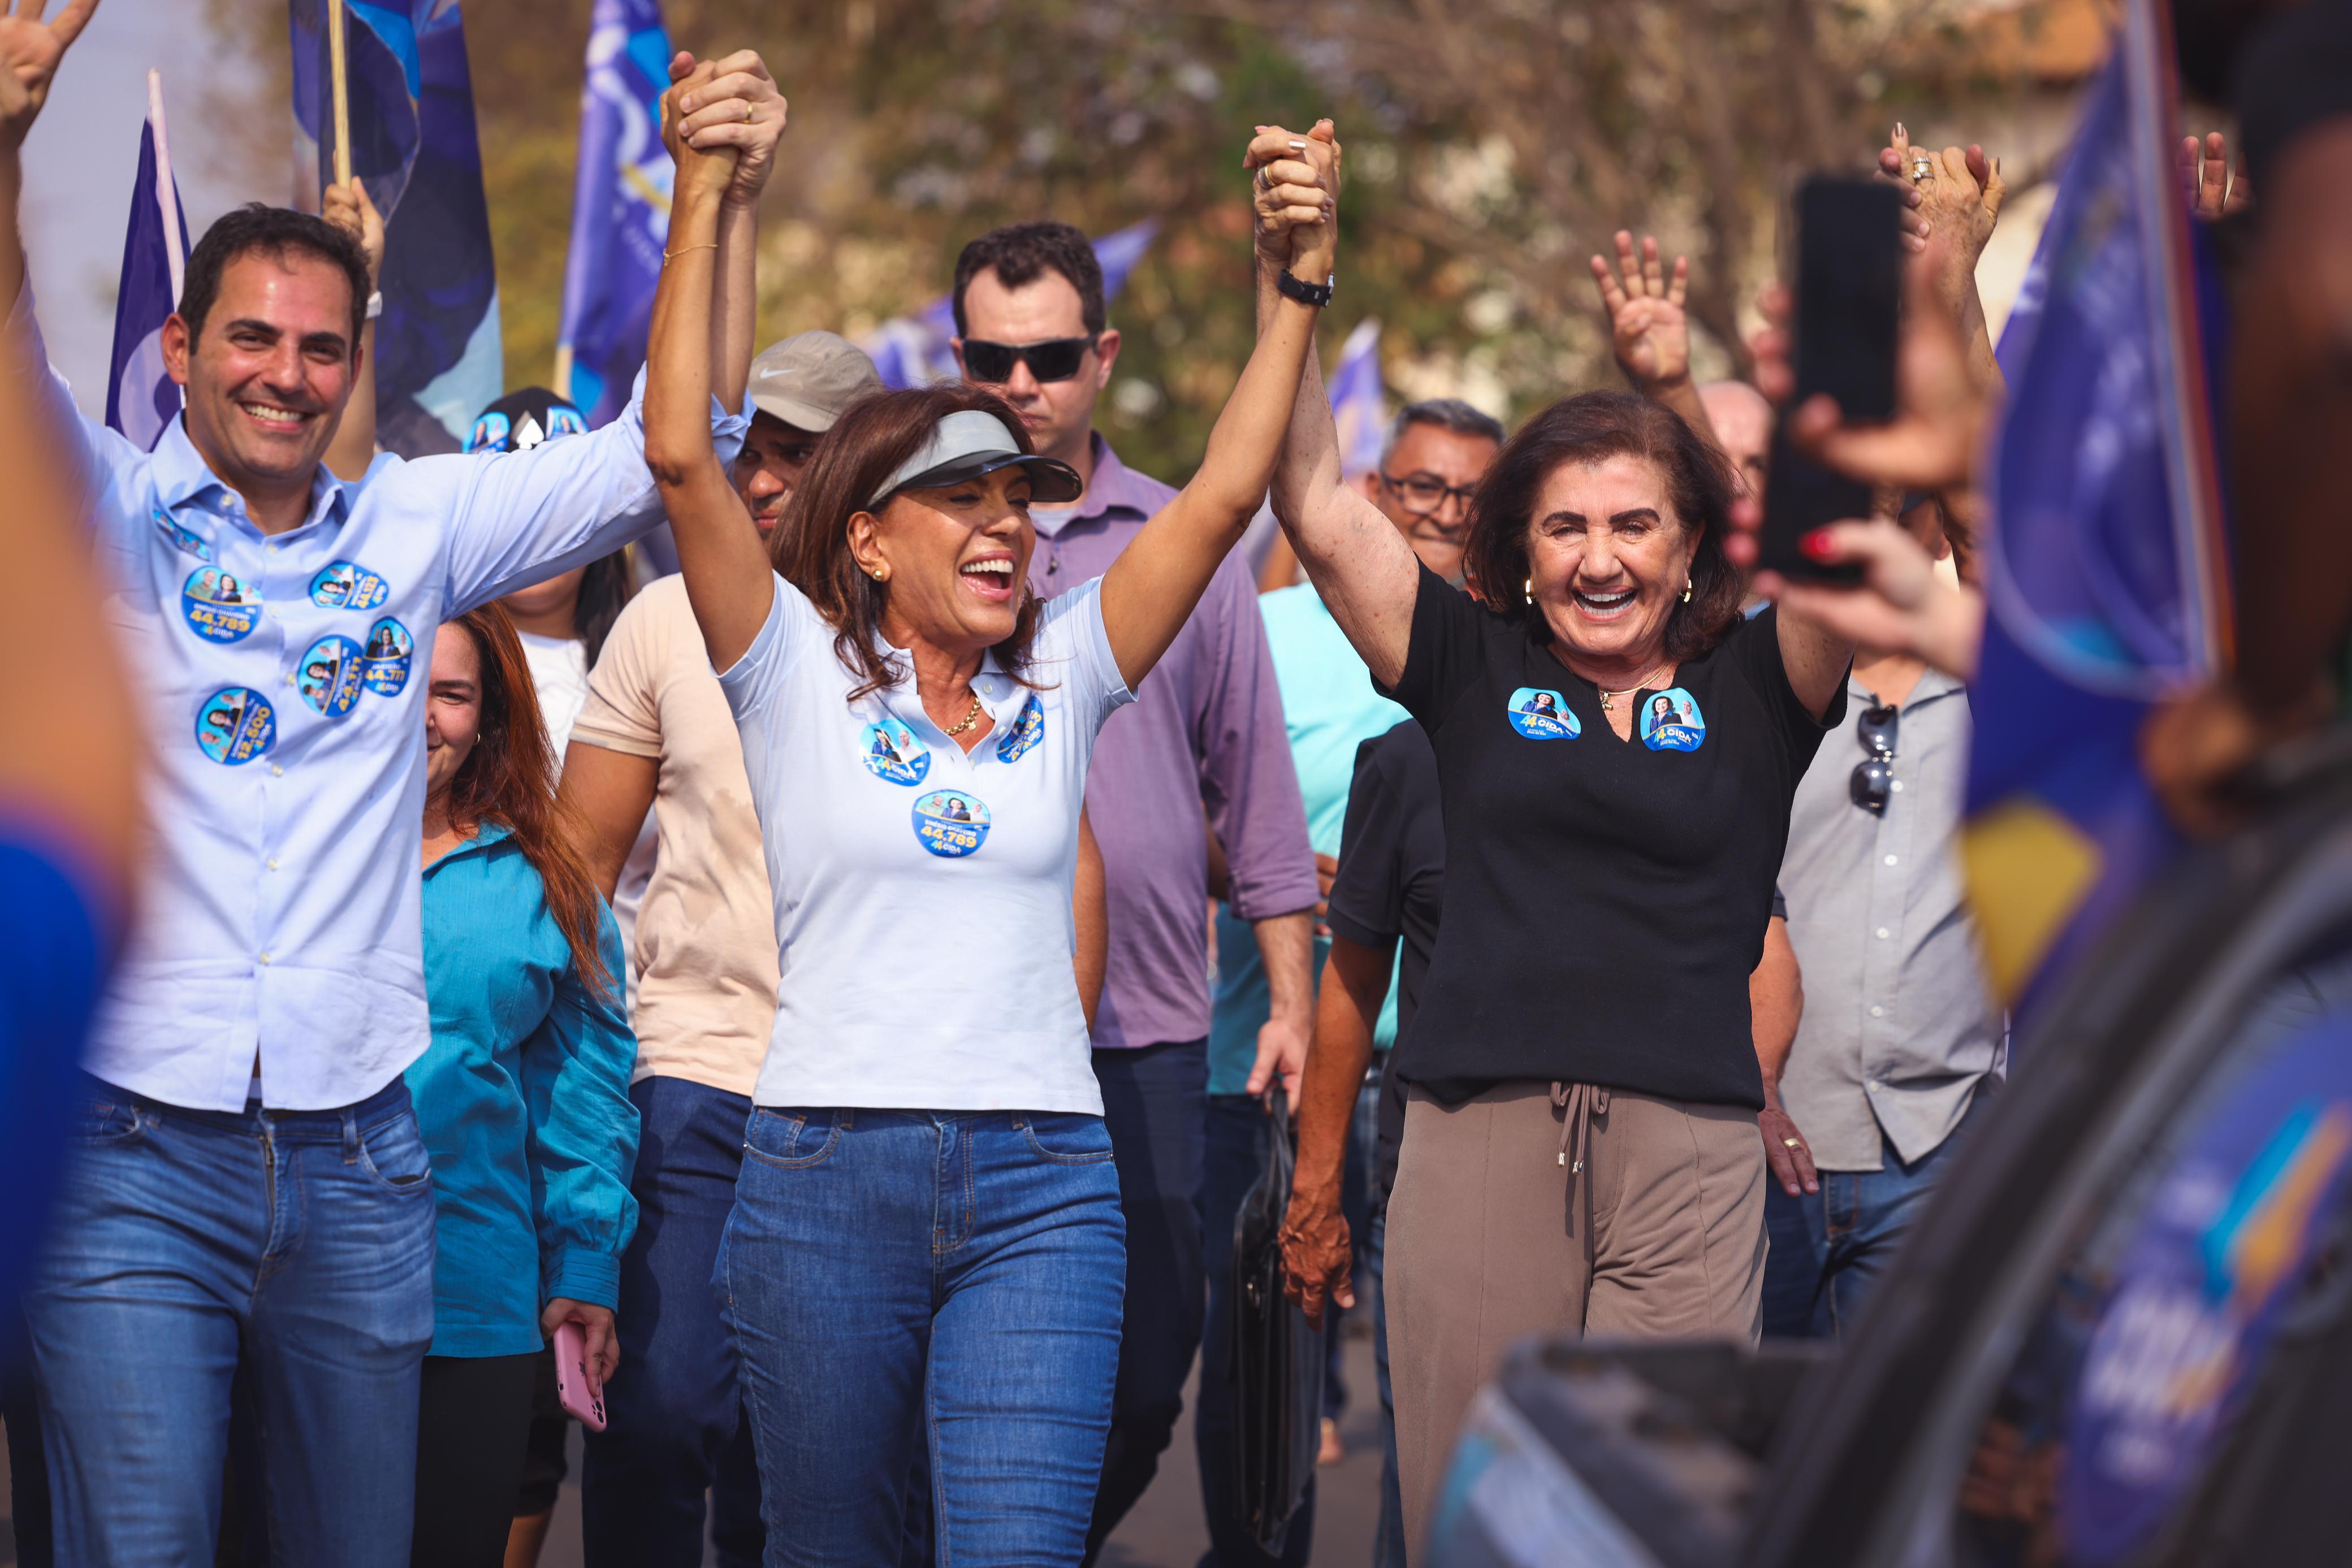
[689,891]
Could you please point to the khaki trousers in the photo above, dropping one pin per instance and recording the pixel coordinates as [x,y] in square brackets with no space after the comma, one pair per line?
[1492,1237]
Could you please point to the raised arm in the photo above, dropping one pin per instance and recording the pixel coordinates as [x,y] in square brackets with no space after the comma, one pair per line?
[1649,330]
[349,206]
[1361,566]
[1157,579]
[729,580]
[734,104]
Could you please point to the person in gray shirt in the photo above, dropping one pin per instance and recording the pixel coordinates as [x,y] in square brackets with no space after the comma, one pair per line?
[1896,1051]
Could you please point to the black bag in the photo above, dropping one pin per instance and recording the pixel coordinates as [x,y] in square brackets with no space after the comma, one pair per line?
[1277,1357]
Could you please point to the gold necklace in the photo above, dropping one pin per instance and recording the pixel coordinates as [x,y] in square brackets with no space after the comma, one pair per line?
[1627,691]
[969,719]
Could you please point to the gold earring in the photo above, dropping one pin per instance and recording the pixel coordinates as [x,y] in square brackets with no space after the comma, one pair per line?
[1686,588]
[1529,590]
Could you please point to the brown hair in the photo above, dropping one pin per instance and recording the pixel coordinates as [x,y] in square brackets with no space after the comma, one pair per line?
[1593,427]
[1020,254]
[810,545]
[509,778]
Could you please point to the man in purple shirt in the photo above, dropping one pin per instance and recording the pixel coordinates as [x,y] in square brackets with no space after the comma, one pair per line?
[1206,730]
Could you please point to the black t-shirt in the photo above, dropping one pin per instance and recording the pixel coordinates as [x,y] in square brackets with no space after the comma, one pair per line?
[1606,898]
[1390,885]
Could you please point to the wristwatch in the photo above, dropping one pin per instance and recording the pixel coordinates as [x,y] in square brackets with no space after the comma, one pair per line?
[1316,294]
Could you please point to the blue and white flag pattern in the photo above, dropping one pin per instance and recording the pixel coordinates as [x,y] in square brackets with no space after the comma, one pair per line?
[140,396]
[438,360]
[620,208]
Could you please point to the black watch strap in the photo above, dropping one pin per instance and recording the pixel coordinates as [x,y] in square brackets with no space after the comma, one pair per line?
[1316,294]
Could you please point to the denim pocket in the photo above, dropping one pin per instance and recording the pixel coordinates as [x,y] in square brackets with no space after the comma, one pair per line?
[1066,1137]
[791,1140]
[393,1153]
[103,1123]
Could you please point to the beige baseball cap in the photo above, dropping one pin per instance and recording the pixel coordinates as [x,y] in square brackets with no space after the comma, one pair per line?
[809,378]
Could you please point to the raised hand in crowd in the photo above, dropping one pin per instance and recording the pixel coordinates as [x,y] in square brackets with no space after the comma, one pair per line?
[2205,174]
[31,50]
[349,207]
[1955,197]
[732,101]
[1649,330]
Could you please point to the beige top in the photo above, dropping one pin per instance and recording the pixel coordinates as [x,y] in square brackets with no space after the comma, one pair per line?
[705,959]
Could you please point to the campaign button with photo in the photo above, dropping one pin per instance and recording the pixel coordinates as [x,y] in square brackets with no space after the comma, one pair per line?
[950,822]
[234,725]
[1540,713]
[218,607]
[184,540]
[1028,729]
[890,751]
[347,585]
[1671,721]
[328,675]
[384,660]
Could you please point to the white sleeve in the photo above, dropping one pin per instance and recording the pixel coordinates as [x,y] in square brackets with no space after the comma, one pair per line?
[515,518]
[791,630]
[1073,648]
[94,454]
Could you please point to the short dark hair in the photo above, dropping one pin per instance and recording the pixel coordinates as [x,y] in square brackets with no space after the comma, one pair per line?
[1445,412]
[275,231]
[1593,427]
[1021,253]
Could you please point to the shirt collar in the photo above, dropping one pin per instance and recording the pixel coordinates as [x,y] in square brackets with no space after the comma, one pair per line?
[999,695]
[1113,485]
[1932,684]
[181,475]
[486,833]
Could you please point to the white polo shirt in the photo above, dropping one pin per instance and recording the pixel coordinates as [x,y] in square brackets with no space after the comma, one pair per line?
[923,921]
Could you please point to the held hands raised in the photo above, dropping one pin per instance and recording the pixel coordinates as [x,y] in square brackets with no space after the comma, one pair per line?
[1295,191]
[702,175]
[729,105]
[1648,328]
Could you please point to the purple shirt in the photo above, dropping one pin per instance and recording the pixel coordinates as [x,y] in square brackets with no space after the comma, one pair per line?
[1205,728]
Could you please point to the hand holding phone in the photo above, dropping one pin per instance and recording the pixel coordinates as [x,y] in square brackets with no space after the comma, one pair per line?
[577,1386]
[1849,284]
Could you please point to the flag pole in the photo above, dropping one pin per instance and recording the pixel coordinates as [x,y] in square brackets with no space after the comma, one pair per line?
[342,92]
[166,193]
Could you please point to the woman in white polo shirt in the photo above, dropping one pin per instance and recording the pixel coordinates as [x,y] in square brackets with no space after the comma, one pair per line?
[926,1243]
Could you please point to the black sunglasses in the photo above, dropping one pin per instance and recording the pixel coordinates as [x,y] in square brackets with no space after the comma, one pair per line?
[1872,777]
[1054,359]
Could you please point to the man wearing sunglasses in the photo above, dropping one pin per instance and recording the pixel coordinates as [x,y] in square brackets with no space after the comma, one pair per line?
[1897,1046]
[1205,732]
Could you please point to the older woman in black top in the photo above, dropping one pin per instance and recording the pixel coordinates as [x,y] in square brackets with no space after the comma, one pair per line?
[1581,1148]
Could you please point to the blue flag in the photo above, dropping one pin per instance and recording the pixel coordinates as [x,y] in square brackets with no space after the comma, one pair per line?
[620,208]
[913,351]
[141,397]
[2104,572]
[438,360]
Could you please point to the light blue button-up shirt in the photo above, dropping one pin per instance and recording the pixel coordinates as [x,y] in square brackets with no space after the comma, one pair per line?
[282,686]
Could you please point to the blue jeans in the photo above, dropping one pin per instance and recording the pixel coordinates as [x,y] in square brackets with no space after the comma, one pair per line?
[303,1239]
[1155,1106]
[675,1428]
[1236,1149]
[894,1278]
[1833,1246]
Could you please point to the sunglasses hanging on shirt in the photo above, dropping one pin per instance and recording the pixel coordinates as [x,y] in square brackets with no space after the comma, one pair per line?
[1054,359]
[1873,779]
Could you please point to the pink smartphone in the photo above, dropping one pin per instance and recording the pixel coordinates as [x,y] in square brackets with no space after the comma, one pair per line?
[572,1385]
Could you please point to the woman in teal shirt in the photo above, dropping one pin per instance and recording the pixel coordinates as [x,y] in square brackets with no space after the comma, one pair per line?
[523,1096]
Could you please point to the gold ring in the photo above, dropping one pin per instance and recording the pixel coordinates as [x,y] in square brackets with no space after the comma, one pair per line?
[748,112]
[1793,1142]
[1921,167]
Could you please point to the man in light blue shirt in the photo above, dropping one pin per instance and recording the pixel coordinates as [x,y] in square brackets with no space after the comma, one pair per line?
[251,1189]
[1429,463]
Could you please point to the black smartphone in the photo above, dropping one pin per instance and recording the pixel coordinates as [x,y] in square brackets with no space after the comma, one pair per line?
[1849,284]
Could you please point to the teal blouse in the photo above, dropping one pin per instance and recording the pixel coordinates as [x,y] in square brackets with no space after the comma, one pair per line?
[523,1098]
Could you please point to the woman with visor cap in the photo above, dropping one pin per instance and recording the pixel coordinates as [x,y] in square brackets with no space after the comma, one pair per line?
[926,1246]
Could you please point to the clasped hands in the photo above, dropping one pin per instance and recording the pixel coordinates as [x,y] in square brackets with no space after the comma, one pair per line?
[1294,190]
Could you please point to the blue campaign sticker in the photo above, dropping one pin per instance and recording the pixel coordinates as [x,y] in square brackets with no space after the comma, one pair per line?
[383,662]
[218,607]
[347,585]
[1542,715]
[490,432]
[1028,729]
[183,539]
[890,751]
[2228,1238]
[328,675]
[950,822]
[1671,721]
[234,725]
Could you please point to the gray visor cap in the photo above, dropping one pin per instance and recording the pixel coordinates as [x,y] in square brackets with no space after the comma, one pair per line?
[968,443]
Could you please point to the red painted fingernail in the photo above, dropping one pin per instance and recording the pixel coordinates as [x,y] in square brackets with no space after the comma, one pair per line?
[1816,544]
